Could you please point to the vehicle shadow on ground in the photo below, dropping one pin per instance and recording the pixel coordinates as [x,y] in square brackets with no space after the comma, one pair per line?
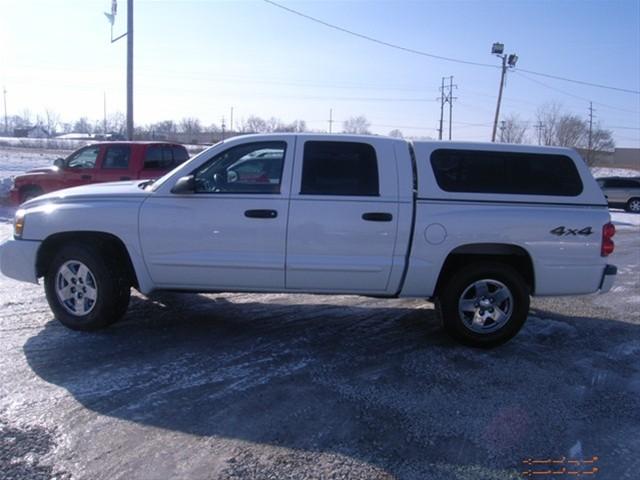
[375,381]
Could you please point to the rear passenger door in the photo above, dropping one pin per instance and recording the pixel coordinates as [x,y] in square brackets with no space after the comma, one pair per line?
[115,165]
[343,216]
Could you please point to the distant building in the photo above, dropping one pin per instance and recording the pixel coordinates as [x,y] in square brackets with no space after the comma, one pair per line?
[618,158]
[31,132]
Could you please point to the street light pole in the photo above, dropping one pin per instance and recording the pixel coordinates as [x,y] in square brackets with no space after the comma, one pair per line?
[495,120]
[130,69]
[129,34]
[508,61]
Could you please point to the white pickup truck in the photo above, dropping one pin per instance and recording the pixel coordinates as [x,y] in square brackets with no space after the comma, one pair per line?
[476,227]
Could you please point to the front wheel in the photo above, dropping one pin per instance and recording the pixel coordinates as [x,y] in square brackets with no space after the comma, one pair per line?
[85,288]
[484,304]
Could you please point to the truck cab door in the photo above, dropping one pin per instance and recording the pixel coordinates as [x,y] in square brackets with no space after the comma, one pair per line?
[80,167]
[343,217]
[229,233]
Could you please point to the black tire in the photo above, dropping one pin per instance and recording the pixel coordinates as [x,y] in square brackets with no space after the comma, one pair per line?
[460,324]
[28,193]
[113,289]
[633,205]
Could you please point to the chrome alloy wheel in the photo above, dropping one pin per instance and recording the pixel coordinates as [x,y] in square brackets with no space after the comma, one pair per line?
[634,206]
[76,288]
[485,306]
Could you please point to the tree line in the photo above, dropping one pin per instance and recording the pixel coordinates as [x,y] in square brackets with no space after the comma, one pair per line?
[552,126]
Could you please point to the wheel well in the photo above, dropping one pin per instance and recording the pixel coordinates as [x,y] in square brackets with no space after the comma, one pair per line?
[107,243]
[512,255]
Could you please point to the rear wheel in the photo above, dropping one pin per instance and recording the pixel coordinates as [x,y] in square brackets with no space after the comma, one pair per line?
[484,304]
[633,205]
[85,288]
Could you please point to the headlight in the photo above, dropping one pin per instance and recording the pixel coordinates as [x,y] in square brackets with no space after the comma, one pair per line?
[18,223]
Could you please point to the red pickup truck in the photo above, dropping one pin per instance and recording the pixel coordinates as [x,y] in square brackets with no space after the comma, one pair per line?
[100,162]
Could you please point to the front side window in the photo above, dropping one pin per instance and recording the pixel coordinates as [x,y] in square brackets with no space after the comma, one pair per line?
[476,171]
[85,158]
[250,168]
[117,157]
[339,168]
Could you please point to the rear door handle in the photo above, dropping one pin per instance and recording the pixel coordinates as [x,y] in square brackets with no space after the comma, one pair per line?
[377,217]
[85,177]
[260,214]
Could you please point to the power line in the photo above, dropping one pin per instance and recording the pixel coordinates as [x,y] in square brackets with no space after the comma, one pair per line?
[572,94]
[581,82]
[375,40]
[441,57]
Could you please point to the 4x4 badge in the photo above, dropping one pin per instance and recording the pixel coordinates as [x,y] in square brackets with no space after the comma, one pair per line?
[563,231]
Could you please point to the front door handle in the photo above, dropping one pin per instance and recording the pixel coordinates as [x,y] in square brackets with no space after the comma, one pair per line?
[377,217]
[260,214]
[85,177]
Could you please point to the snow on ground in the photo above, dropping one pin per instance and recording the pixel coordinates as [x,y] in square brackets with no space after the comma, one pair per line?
[599,172]
[625,220]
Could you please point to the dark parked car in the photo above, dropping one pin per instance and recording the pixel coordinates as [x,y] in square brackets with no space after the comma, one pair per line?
[100,162]
[622,192]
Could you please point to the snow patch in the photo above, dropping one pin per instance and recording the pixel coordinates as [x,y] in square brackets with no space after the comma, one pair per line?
[598,172]
[625,220]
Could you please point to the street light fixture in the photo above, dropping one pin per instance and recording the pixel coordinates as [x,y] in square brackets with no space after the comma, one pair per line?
[508,61]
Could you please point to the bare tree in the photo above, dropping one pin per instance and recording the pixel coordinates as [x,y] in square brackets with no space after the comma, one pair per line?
[253,124]
[190,126]
[512,130]
[82,126]
[396,133]
[358,125]
[547,118]
[571,131]
[116,123]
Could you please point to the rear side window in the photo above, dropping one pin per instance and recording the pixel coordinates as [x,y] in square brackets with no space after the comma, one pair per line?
[164,157]
[180,154]
[117,156]
[339,168]
[474,171]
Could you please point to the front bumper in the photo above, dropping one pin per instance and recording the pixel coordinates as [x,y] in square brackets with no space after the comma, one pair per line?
[608,277]
[18,259]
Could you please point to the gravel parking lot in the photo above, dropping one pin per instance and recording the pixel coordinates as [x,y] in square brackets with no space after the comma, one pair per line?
[274,386]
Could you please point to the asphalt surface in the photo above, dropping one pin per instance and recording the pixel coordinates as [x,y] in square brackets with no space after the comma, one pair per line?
[291,387]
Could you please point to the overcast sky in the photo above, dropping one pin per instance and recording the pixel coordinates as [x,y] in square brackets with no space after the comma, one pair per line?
[200,58]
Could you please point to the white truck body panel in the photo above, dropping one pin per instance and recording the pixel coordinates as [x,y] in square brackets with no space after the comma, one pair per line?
[319,243]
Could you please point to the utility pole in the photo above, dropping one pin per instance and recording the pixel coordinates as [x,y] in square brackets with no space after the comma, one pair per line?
[129,34]
[451,98]
[330,119]
[6,123]
[104,111]
[231,120]
[446,97]
[130,69]
[540,129]
[590,147]
[503,125]
[508,61]
[222,126]
[441,109]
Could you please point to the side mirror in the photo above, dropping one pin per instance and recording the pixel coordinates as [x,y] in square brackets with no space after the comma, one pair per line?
[232,176]
[58,162]
[185,185]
